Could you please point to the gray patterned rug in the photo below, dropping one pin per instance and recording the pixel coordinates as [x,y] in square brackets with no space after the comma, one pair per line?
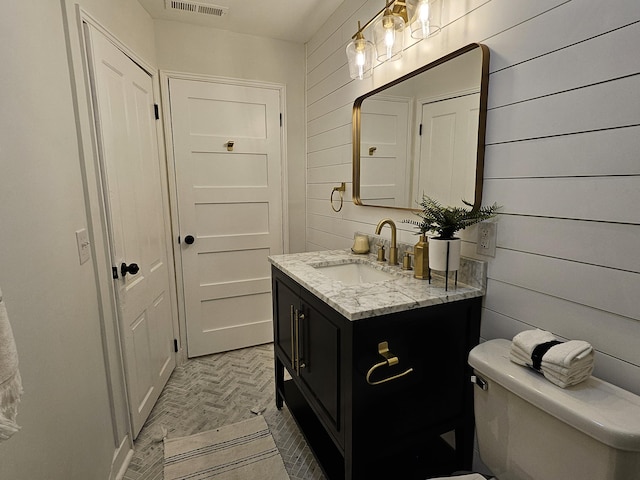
[242,450]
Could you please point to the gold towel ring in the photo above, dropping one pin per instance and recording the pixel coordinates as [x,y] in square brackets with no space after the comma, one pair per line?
[340,189]
[390,359]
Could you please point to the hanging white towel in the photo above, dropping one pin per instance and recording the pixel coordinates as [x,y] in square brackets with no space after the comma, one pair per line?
[10,381]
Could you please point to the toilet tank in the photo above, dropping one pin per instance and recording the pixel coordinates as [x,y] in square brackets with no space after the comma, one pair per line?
[530,429]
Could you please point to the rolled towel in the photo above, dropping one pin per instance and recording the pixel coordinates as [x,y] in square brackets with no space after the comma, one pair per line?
[562,363]
[524,344]
[565,381]
[568,353]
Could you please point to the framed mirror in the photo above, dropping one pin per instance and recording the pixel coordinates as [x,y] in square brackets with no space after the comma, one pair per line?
[424,134]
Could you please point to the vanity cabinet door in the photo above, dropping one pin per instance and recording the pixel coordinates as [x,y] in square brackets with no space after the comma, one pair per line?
[319,354]
[286,301]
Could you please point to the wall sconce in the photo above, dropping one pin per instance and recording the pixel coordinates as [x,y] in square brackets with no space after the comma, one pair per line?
[424,17]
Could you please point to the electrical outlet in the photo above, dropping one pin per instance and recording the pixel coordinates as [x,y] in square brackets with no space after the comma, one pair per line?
[487,239]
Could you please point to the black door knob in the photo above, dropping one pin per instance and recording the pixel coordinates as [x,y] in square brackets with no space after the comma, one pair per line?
[189,239]
[132,268]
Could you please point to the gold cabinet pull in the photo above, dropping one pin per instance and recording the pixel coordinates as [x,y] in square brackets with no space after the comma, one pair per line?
[372,150]
[229,145]
[389,360]
[293,336]
[299,361]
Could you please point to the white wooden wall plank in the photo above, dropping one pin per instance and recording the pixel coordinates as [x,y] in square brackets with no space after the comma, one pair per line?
[574,240]
[607,105]
[606,62]
[331,64]
[332,138]
[571,22]
[613,291]
[328,240]
[602,152]
[331,120]
[567,319]
[330,156]
[585,198]
[333,173]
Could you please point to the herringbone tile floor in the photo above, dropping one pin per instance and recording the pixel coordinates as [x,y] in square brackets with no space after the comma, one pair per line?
[212,391]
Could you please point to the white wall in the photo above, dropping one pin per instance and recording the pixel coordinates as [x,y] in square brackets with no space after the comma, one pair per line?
[53,301]
[562,157]
[210,51]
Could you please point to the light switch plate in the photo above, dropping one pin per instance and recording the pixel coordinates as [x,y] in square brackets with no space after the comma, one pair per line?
[82,239]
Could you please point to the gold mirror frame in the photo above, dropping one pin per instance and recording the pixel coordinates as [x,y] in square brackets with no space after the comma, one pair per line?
[482,120]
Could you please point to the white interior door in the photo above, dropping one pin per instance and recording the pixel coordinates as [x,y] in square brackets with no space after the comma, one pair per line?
[227,150]
[447,149]
[384,161]
[123,100]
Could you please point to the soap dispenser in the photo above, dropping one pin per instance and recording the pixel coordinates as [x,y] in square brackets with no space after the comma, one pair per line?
[421,259]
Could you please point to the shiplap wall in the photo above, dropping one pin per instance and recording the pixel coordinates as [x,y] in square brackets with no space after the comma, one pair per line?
[562,157]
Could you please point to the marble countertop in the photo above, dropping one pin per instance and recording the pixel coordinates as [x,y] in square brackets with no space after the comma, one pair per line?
[402,292]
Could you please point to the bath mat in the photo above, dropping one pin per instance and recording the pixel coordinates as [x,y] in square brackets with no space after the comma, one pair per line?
[242,451]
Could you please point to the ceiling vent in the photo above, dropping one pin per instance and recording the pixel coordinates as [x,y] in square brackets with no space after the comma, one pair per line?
[196,7]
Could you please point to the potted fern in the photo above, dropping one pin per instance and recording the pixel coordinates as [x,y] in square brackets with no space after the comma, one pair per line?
[445,222]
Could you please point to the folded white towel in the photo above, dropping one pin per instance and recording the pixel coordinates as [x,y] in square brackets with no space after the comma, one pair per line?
[564,364]
[567,353]
[10,381]
[528,340]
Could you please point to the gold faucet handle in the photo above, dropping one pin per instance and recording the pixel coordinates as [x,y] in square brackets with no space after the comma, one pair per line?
[381,257]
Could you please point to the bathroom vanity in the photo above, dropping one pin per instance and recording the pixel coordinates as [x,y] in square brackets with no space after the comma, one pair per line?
[372,363]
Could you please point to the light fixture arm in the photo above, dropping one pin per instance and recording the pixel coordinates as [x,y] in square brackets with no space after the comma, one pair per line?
[399,8]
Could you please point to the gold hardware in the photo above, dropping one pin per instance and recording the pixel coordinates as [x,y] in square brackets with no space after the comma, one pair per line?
[406,261]
[293,336]
[389,360]
[340,189]
[372,150]
[399,9]
[299,362]
[229,145]
[393,249]
[297,341]
[381,253]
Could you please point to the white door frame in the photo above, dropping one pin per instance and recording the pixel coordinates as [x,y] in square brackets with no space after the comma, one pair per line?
[165,75]
[98,227]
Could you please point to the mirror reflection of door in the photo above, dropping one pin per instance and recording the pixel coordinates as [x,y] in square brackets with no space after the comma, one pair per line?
[448,149]
[384,139]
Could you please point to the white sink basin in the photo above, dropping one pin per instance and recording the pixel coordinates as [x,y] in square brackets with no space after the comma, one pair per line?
[355,273]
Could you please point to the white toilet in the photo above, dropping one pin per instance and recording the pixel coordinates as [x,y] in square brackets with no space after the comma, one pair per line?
[530,429]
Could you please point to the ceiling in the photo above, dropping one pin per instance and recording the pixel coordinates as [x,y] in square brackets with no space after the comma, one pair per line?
[291,20]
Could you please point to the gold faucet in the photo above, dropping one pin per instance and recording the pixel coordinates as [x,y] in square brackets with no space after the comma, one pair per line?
[393,250]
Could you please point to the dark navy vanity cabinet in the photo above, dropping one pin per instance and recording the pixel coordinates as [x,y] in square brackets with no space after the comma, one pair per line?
[371,409]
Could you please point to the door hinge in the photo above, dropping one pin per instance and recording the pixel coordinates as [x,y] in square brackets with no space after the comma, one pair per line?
[420,132]
[156,111]
[175,345]
[280,119]
[114,272]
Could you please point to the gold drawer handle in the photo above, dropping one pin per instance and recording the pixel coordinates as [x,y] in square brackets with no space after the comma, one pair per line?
[389,360]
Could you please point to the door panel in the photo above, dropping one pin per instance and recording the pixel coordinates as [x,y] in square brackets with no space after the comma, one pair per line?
[130,167]
[230,200]
[385,179]
[447,146]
